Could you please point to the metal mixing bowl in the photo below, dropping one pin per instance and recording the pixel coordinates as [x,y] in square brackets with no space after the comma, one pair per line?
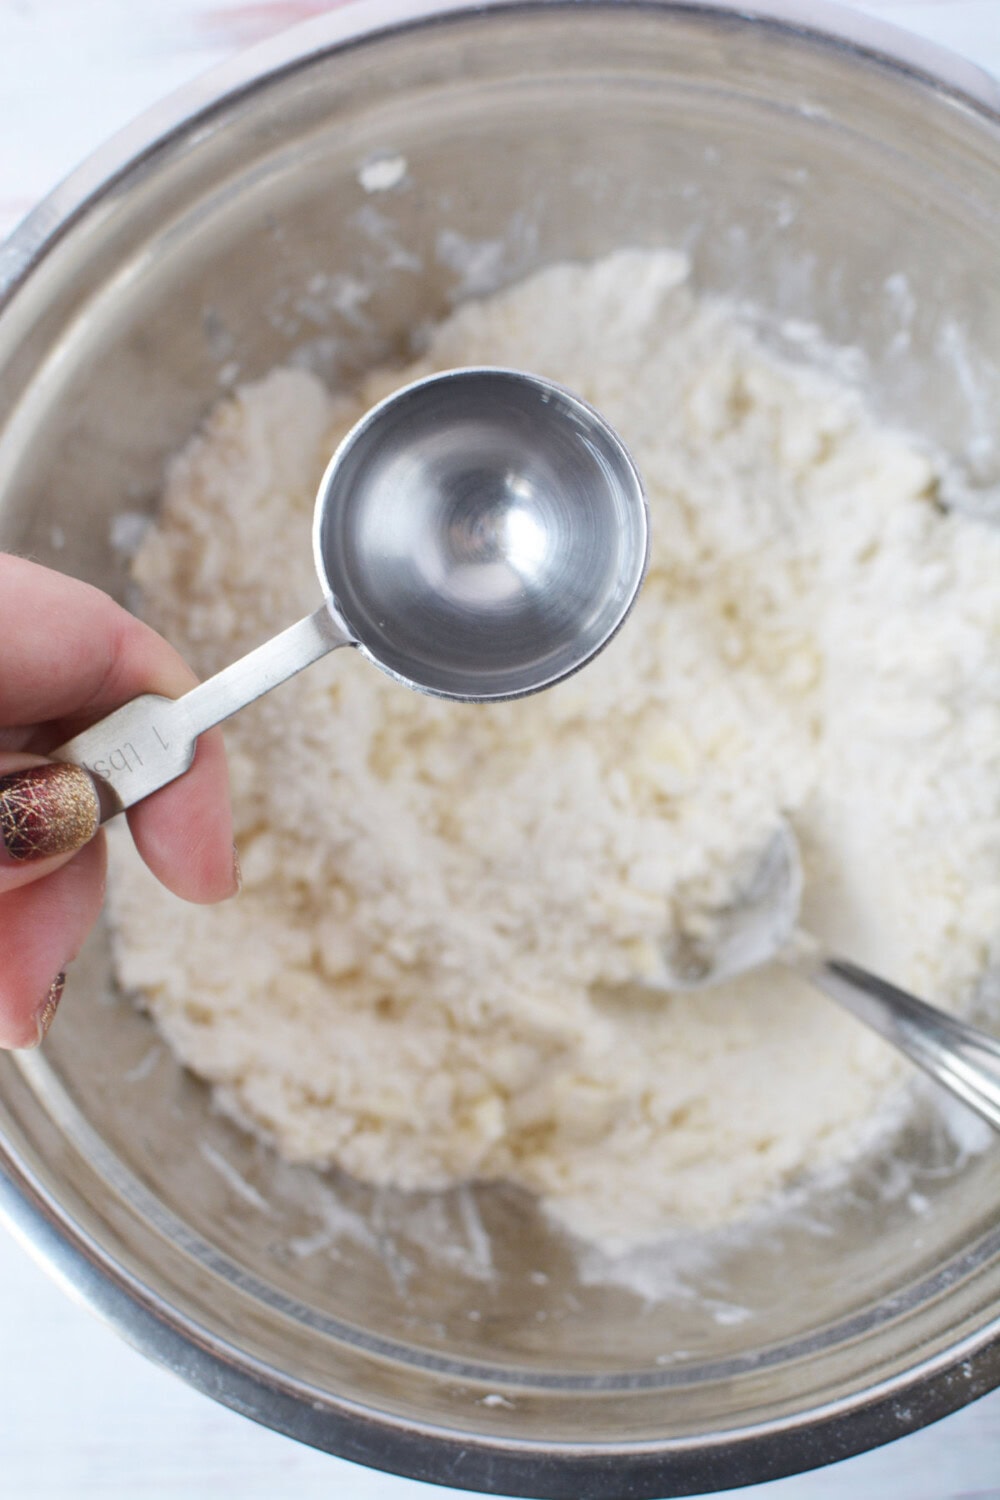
[323,200]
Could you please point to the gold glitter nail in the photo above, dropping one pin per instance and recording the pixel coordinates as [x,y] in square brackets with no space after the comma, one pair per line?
[47,810]
[50,1005]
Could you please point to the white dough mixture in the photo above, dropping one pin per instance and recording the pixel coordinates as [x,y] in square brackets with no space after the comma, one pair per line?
[421,980]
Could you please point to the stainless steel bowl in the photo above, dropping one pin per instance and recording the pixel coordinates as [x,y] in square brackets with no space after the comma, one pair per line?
[323,200]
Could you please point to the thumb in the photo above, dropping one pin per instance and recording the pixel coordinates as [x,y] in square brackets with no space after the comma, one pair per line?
[48,811]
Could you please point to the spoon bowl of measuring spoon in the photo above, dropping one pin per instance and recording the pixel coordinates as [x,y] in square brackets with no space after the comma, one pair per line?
[479,535]
[758,925]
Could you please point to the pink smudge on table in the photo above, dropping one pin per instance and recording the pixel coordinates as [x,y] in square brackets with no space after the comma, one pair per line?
[241,25]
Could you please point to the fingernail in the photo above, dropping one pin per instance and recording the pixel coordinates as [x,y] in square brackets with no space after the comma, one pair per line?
[49,1006]
[46,810]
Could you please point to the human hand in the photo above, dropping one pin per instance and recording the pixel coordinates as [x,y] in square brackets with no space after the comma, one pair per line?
[68,656]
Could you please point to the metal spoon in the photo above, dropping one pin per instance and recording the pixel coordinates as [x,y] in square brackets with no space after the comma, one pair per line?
[759,926]
[479,535]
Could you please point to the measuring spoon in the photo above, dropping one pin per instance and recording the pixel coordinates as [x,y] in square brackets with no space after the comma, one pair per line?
[478,535]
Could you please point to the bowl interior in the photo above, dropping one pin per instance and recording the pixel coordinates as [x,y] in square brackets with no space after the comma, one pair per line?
[328,215]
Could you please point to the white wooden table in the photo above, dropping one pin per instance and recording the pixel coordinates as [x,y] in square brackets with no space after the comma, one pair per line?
[82,1416]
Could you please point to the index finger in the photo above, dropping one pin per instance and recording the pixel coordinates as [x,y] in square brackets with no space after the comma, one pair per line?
[71,653]
[69,656]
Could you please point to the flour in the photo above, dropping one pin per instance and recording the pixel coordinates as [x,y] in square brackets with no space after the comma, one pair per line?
[422,980]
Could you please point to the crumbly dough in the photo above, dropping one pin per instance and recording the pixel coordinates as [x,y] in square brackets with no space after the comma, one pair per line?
[422,979]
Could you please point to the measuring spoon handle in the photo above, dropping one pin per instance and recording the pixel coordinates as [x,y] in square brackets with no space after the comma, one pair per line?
[961,1057]
[151,741]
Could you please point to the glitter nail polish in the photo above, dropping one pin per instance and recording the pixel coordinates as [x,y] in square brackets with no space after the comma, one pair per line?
[50,1005]
[46,810]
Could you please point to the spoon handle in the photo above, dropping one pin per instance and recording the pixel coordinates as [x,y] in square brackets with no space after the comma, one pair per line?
[962,1058]
[150,741]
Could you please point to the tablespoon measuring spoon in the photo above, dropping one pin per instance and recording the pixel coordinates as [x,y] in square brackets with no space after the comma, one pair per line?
[759,926]
[479,535]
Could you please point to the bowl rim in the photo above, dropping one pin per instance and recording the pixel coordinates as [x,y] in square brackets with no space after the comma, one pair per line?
[931,1388]
[354,21]
[535,1470]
